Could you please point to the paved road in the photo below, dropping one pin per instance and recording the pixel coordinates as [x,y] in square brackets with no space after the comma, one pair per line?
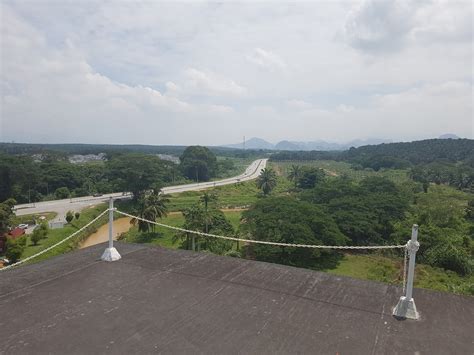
[77,204]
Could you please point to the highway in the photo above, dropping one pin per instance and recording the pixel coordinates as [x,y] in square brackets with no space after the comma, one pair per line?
[79,203]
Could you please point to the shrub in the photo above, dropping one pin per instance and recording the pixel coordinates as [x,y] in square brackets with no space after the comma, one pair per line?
[69,217]
[62,192]
[14,250]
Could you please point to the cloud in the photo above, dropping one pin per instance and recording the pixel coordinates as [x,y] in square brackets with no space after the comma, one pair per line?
[266,59]
[202,83]
[158,73]
[298,104]
[380,26]
[56,96]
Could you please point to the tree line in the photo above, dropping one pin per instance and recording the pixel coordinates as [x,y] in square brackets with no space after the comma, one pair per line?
[440,161]
[27,178]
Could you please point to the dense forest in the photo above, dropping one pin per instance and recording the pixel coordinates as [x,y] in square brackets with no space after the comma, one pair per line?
[65,150]
[51,175]
[440,161]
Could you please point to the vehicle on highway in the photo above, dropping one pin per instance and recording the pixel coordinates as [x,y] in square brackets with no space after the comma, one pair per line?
[97,195]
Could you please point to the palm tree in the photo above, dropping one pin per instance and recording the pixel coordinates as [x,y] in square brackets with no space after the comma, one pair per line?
[206,199]
[294,173]
[151,208]
[267,180]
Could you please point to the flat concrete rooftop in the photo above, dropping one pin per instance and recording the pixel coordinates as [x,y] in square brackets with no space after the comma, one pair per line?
[174,301]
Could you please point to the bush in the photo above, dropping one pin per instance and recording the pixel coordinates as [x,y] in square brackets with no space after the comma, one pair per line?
[62,192]
[14,250]
[448,256]
[39,233]
[233,254]
[69,216]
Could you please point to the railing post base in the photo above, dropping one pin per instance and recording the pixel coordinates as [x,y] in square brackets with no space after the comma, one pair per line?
[110,254]
[406,308]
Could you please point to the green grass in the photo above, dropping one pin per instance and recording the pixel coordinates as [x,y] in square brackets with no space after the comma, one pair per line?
[164,236]
[56,235]
[335,168]
[229,196]
[390,270]
[237,195]
[30,218]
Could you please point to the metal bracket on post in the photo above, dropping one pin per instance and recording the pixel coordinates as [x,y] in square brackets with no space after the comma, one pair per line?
[406,307]
[111,254]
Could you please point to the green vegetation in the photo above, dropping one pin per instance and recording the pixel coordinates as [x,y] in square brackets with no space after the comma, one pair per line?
[288,220]
[365,196]
[32,218]
[6,215]
[138,173]
[69,216]
[55,235]
[198,163]
[390,270]
[15,249]
[166,237]
[40,232]
[339,168]
[267,181]
[242,194]
[51,175]
[151,208]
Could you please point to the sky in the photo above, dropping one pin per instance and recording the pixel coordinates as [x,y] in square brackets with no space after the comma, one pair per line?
[209,73]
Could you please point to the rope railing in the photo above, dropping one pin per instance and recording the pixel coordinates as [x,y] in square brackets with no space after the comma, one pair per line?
[294,245]
[405,308]
[54,245]
[315,246]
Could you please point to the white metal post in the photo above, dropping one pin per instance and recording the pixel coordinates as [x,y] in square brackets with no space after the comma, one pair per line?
[406,307]
[111,223]
[111,254]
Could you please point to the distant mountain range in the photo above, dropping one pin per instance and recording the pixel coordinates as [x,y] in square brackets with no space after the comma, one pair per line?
[259,143]
[449,136]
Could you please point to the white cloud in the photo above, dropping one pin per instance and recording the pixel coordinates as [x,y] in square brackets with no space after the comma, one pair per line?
[345,108]
[378,26]
[157,72]
[266,59]
[203,83]
[298,104]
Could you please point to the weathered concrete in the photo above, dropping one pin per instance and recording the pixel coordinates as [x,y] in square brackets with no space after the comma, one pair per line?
[159,300]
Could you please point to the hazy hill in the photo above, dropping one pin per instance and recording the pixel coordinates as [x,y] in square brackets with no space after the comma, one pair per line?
[259,143]
[252,143]
[449,136]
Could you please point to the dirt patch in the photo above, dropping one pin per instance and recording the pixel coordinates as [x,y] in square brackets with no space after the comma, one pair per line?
[331,173]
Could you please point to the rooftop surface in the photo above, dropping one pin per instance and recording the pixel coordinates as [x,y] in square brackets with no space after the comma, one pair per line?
[174,301]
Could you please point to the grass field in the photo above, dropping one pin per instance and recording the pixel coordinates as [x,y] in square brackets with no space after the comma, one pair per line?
[237,195]
[31,218]
[336,168]
[164,236]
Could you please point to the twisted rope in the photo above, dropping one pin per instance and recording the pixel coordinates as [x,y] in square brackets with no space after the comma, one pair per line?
[340,247]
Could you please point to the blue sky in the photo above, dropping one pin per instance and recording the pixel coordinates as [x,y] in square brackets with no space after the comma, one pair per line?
[210,73]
